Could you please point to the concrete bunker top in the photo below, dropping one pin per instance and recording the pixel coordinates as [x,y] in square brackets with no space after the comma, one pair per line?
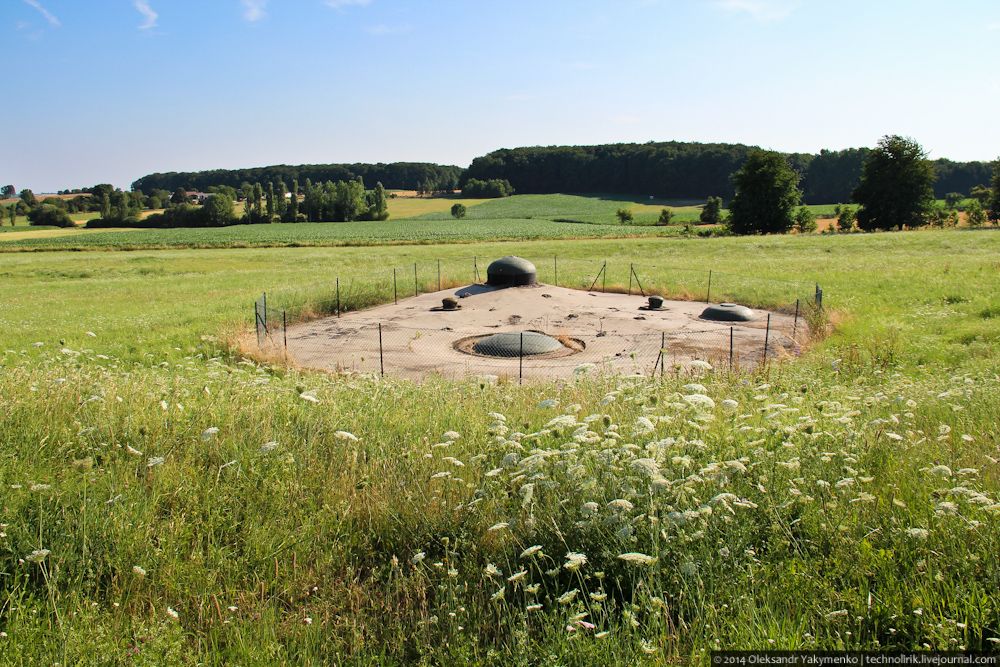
[511,271]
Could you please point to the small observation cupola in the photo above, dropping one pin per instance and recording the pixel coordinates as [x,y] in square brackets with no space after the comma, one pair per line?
[511,271]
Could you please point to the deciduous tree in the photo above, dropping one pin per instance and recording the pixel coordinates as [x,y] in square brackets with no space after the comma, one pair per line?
[711,212]
[897,186]
[767,192]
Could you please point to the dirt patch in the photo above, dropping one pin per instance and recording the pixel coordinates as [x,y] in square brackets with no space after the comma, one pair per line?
[414,340]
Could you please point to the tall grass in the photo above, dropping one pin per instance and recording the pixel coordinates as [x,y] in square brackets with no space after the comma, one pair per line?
[165,502]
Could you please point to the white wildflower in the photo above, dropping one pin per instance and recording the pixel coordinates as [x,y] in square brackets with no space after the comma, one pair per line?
[574,561]
[518,577]
[154,461]
[918,533]
[306,396]
[209,433]
[37,556]
[637,558]
[172,614]
[269,446]
[345,436]
[451,436]
[700,401]
[139,572]
[418,558]
[549,403]
[531,551]
[567,597]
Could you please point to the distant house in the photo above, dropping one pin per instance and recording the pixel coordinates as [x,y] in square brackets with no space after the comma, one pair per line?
[198,197]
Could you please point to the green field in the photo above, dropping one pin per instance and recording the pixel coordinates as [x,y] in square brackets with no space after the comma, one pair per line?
[524,217]
[167,502]
[339,234]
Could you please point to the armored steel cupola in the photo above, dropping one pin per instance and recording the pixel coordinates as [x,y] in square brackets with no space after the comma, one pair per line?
[511,271]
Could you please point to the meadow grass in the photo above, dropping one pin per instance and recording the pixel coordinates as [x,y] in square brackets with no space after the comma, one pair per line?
[413,220]
[336,234]
[166,502]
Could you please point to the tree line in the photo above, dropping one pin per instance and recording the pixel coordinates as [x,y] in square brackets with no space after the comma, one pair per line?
[420,176]
[895,190]
[682,170]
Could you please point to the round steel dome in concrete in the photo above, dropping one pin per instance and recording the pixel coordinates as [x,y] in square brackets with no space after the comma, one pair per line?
[511,271]
[508,344]
[727,312]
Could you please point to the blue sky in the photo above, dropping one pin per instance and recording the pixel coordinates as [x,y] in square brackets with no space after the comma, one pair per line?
[109,90]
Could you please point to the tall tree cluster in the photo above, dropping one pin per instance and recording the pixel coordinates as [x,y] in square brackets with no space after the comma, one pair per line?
[395,175]
[681,170]
[767,192]
[897,186]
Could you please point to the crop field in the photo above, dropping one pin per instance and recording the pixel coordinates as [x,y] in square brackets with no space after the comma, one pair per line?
[413,220]
[338,234]
[186,505]
[582,208]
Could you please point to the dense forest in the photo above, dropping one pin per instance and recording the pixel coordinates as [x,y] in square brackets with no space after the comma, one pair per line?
[679,170]
[675,170]
[420,176]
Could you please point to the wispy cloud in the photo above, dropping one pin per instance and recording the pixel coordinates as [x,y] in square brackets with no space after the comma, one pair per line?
[148,15]
[381,29]
[253,10]
[341,4]
[49,16]
[760,10]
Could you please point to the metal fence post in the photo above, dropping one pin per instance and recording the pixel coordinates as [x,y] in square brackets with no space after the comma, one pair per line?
[395,297]
[767,336]
[795,325]
[730,349]
[520,361]
[708,298]
[663,350]
[265,311]
[638,282]
[381,354]
[284,331]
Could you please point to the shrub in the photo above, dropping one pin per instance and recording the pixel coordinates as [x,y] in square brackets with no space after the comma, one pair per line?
[666,215]
[489,189]
[48,215]
[458,211]
[711,212]
[624,215]
[805,220]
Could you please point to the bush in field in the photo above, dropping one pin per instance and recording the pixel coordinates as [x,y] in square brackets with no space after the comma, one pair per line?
[458,211]
[624,215]
[711,212]
[805,220]
[767,192]
[488,189]
[48,215]
[218,211]
[666,215]
[896,188]
[976,214]
[953,199]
